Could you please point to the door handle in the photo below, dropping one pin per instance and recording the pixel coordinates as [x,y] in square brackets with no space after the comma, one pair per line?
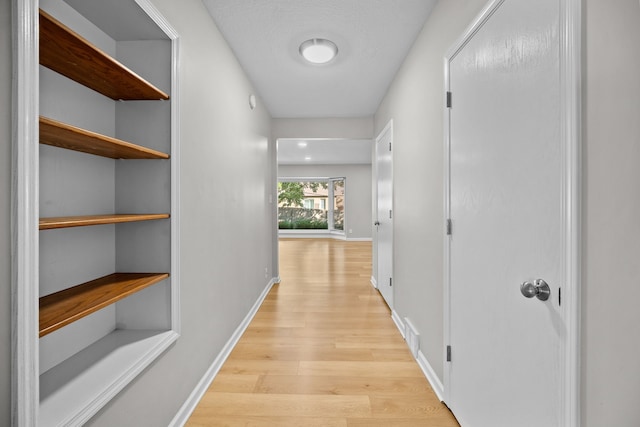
[376,223]
[539,289]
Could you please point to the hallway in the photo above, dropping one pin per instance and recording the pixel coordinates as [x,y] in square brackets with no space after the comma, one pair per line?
[322,351]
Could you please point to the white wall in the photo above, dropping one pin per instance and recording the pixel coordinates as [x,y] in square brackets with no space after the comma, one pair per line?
[611,223]
[353,128]
[357,197]
[5,212]
[414,102]
[226,218]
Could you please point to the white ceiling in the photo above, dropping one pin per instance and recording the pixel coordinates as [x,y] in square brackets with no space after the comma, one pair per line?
[318,151]
[373,38]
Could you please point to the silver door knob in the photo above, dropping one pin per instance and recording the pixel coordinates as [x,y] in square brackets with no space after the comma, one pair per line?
[539,289]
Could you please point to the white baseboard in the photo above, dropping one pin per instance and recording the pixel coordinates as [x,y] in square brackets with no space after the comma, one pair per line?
[319,234]
[431,375]
[310,234]
[190,404]
[374,282]
[398,321]
[424,364]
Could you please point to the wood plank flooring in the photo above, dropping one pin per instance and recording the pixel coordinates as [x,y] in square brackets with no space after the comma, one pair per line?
[322,351]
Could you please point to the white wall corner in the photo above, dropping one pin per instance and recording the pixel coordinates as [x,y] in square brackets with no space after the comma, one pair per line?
[187,408]
[374,282]
[431,375]
[398,321]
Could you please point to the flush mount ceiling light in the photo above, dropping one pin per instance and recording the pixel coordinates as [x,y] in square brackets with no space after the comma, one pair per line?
[318,51]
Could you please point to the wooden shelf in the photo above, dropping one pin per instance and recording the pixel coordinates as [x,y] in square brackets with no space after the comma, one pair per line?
[67,306]
[58,134]
[67,53]
[82,221]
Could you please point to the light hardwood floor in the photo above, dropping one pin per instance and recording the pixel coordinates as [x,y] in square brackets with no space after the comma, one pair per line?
[322,351]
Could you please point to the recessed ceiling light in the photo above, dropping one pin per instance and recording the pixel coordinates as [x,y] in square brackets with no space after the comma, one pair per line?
[302,144]
[308,158]
[318,51]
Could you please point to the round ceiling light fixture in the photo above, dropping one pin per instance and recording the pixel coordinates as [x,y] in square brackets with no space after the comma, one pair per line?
[318,51]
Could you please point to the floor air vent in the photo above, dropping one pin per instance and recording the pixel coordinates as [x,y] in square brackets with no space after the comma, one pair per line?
[412,337]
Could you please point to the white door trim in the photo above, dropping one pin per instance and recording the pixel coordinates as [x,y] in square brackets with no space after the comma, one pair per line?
[388,128]
[570,81]
[24,215]
[571,122]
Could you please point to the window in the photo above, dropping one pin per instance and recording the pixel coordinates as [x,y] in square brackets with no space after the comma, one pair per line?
[311,204]
[338,204]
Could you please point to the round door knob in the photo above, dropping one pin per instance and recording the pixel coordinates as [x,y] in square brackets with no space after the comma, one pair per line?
[539,289]
[528,290]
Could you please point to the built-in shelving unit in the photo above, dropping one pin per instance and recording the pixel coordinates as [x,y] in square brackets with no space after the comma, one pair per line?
[106,285]
[58,134]
[69,54]
[86,220]
[67,306]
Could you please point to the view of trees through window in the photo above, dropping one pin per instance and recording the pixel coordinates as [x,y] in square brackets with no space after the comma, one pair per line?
[316,204]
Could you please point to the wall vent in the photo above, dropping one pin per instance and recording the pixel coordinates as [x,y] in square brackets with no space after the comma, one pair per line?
[412,337]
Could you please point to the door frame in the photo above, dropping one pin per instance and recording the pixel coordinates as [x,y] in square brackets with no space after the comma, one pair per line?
[570,16]
[375,279]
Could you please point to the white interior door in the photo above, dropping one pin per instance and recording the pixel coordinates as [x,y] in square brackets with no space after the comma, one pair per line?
[507,204]
[384,220]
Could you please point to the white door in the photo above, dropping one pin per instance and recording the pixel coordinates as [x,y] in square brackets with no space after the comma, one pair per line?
[384,217]
[507,205]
